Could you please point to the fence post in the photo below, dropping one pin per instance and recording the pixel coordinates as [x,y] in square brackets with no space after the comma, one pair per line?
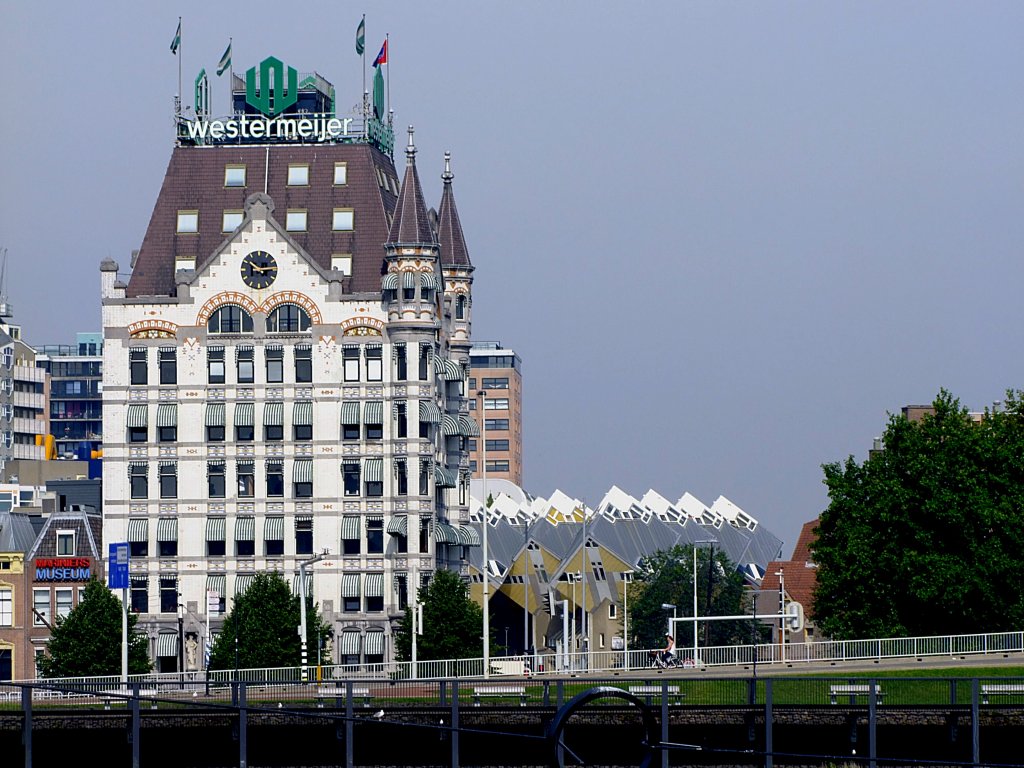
[768,745]
[349,726]
[455,724]
[26,723]
[135,705]
[242,724]
[664,722]
[975,725]
[872,722]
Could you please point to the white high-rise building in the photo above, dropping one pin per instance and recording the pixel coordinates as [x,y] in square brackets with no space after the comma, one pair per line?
[284,373]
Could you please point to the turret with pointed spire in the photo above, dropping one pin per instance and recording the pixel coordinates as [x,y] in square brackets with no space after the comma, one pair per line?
[456,267]
[411,225]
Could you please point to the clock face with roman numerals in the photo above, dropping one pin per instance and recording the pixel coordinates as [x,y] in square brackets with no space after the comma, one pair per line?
[259,269]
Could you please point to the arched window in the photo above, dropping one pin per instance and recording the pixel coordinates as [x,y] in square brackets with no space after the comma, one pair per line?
[460,307]
[288,318]
[229,319]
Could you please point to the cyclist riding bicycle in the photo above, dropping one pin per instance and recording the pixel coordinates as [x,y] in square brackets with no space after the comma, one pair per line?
[667,653]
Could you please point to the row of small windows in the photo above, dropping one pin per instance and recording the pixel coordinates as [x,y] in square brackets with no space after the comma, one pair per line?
[298,175]
[296,220]
[359,363]
[358,421]
[355,536]
[490,383]
[365,478]
[352,598]
[245,367]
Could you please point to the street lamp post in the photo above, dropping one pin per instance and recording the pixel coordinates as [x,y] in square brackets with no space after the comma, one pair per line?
[782,612]
[483,475]
[417,629]
[702,541]
[302,607]
[627,578]
[181,643]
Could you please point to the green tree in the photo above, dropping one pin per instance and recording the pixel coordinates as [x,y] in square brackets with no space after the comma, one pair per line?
[667,577]
[87,642]
[925,536]
[265,619]
[452,622]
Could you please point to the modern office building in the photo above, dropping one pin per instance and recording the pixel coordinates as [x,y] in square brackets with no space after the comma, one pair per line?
[498,372]
[284,370]
[76,394]
[23,394]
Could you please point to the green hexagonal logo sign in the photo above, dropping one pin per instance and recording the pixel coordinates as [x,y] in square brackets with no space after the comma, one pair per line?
[274,94]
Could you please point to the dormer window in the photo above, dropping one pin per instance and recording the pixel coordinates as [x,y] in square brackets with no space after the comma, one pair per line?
[298,175]
[295,220]
[188,222]
[343,220]
[234,176]
[340,174]
[232,221]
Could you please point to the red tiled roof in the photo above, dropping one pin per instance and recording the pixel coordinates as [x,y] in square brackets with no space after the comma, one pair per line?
[802,550]
[195,181]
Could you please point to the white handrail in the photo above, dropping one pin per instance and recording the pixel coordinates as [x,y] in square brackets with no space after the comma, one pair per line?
[547,664]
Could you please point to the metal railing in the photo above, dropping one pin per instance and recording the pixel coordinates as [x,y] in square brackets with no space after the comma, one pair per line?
[580,663]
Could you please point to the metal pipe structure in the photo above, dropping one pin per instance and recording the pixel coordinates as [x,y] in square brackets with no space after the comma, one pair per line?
[487,566]
[302,606]
[702,541]
[627,578]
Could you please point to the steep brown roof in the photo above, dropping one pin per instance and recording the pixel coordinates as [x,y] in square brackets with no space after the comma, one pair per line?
[802,550]
[195,181]
[801,576]
[411,223]
[800,580]
[449,228]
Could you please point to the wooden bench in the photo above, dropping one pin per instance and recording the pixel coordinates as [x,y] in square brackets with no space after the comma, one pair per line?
[338,693]
[499,691]
[650,691]
[853,691]
[1001,689]
[123,697]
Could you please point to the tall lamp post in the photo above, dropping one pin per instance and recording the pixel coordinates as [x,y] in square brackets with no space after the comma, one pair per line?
[302,606]
[181,643]
[627,578]
[782,612]
[483,475]
[526,585]
[702,541]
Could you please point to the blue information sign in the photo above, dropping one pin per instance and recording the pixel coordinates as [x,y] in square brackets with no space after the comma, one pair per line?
[117,566]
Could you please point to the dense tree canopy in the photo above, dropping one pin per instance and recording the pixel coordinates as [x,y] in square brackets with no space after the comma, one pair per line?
[265,619]
[666,577]
[925,536]
[87,642]
[452,622]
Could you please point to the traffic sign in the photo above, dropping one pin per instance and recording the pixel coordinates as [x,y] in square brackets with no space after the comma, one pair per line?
[117,565]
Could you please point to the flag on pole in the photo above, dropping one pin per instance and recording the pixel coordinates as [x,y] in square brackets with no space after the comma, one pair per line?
[382,57]
[225,61]
[176,42]
[361,37]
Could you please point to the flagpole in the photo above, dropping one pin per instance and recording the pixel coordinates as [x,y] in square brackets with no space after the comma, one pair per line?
[366,101]
[231,76]
[387,53]
[178,54]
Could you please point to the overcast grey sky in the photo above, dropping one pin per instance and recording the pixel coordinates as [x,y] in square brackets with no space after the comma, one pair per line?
[725,238]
